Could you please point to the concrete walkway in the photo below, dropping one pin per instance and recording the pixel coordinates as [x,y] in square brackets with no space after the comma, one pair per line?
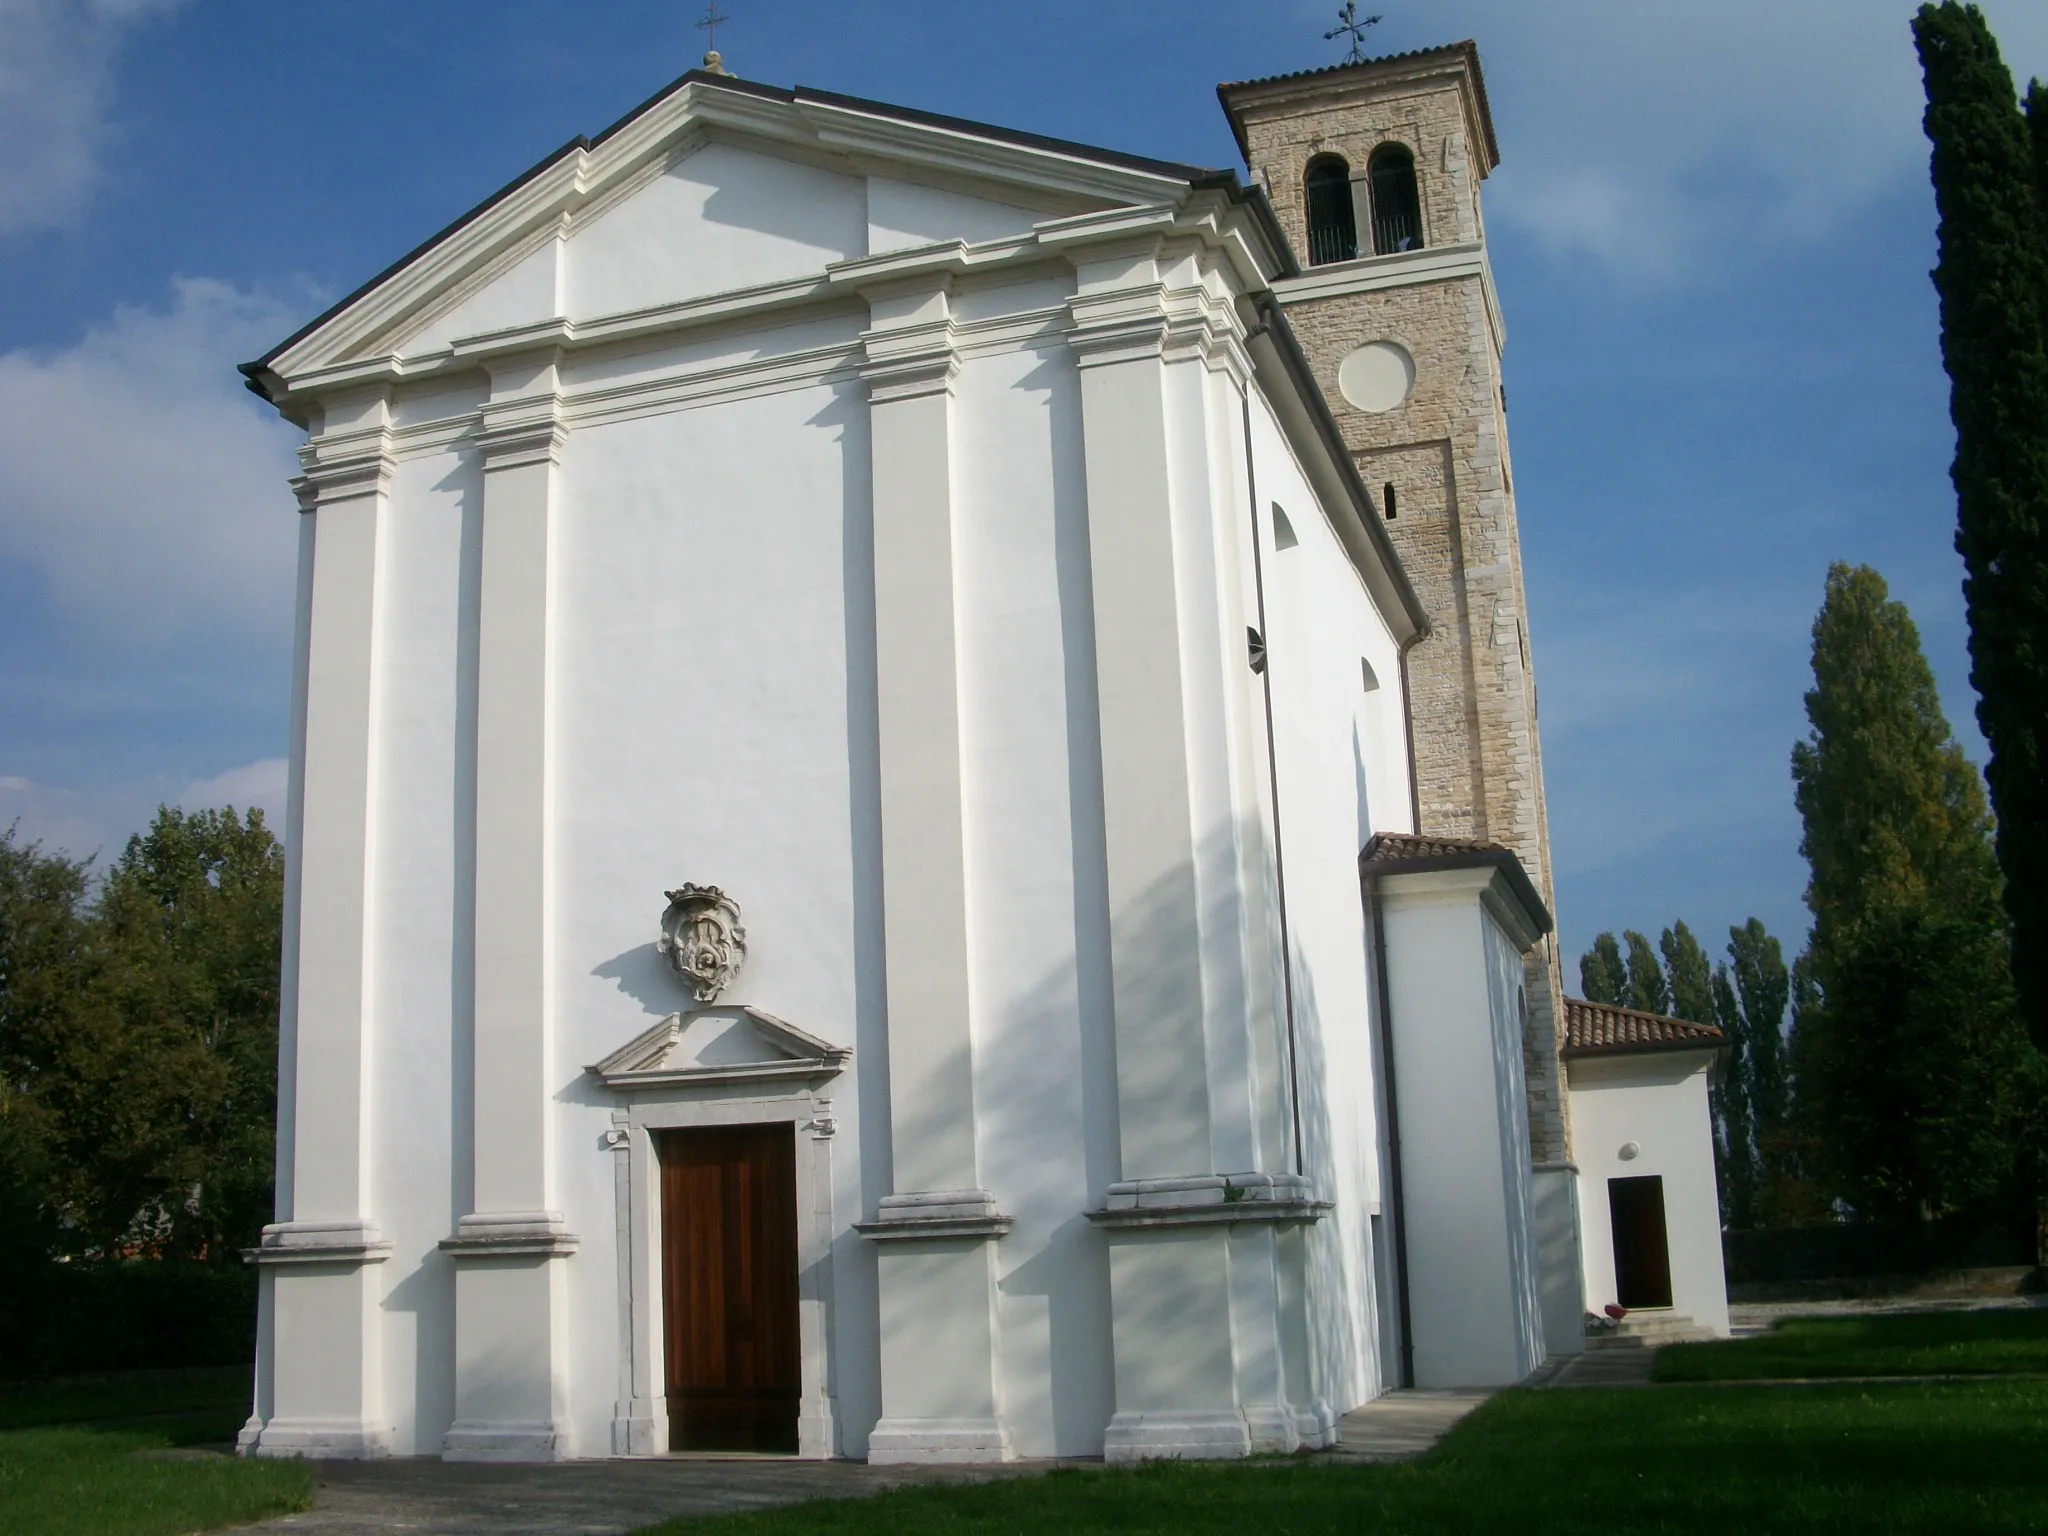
[609,1498]
[1401,1425]
[582,1498]
[1614,1365]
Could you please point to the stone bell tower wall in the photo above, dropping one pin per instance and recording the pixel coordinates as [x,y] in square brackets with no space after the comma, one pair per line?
[1443,449]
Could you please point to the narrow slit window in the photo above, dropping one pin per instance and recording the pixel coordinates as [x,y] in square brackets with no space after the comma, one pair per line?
[1332,226]
[1372,678]
[1396,201]
[1387,500]
[1283,530]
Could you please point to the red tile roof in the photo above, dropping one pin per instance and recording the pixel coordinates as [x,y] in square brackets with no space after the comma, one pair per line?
[1601,1029]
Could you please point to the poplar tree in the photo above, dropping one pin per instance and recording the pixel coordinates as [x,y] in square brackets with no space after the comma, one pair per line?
[1750,990]
[1912,1054]
[1647,988]
[1602,976]
[1989,170]
[1691,978]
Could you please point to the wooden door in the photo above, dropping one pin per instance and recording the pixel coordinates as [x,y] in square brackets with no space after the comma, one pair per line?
[1642,1256]
[728,1277]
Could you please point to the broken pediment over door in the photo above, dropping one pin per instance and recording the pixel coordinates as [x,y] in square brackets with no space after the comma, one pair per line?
[723,1043]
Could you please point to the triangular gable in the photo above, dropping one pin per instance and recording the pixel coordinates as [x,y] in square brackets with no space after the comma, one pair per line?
[500,239]
[720,1044]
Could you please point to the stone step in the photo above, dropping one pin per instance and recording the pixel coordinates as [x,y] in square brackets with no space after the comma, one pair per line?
[1641,1330]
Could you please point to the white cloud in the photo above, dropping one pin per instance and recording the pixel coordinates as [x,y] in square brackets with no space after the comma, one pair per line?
[259,785]
[85,824]
[96,822]
[1660,138]
[56,83]
[142,483]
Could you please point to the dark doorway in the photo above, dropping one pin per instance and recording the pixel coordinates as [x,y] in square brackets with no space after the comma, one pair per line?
[728,1287]
[1642,1259]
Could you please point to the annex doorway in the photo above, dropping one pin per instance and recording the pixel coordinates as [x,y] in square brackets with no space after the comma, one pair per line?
[1642,1255]
[734,1372]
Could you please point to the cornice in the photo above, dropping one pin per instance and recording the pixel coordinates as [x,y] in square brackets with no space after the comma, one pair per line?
[1069,240]
[578,182]
[1402,269]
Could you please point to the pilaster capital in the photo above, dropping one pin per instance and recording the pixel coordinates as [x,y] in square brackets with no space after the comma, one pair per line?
[522,422]
[343,464]
[910,345]
[522,432]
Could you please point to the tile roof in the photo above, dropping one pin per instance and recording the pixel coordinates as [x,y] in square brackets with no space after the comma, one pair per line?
[1399,853]
[1601,1029]
[1401,847]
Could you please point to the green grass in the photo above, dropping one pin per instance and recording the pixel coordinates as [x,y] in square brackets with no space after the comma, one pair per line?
[1987,1343]
[1967,1457]
[96,1456]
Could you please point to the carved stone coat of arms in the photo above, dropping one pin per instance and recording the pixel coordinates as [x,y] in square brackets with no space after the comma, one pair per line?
[701,938]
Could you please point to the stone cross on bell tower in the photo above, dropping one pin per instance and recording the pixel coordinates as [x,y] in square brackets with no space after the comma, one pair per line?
[1373,169]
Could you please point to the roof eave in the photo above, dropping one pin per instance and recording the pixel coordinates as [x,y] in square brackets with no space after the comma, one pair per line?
[1231,93]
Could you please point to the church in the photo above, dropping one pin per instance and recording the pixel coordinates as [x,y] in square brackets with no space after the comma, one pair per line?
[916,824]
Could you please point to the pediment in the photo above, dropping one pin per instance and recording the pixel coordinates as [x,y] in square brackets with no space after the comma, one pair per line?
[721,1043]
[715,185]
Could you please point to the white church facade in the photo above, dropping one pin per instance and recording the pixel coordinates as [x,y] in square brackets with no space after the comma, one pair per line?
[886,856]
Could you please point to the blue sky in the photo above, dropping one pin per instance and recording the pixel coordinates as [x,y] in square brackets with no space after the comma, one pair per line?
[1711,231]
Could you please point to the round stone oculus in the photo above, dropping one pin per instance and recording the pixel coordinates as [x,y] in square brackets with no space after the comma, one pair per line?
[1377,376]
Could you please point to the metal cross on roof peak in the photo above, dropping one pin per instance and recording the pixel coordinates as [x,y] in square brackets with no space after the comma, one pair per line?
[713,17]
[1349,26]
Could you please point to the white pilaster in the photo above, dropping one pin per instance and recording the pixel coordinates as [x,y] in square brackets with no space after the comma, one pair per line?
[321,1320]
[510,1334]
[936,1273]
[1197,1293]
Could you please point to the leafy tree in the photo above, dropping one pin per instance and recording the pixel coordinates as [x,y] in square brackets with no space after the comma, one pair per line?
[1992,278]
[1602,976]
[45,960]
[1911,1027]
[139,1035]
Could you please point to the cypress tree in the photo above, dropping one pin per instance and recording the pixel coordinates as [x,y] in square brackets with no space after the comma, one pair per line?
[1908,1045]
[1602,977]
[1992,279]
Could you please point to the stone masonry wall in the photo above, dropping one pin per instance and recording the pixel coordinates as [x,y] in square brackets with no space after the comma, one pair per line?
[1472,701]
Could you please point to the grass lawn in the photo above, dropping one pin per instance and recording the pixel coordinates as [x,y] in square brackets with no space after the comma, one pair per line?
[1904,1344]
[99,1456]
[1906,1458]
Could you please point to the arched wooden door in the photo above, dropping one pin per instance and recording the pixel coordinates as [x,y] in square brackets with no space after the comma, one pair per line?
[729,1287]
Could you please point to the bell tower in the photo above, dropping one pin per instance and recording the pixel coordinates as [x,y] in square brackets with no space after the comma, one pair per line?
[1373,170]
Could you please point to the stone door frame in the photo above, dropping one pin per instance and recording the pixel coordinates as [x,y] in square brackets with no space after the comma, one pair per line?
[640,1418]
